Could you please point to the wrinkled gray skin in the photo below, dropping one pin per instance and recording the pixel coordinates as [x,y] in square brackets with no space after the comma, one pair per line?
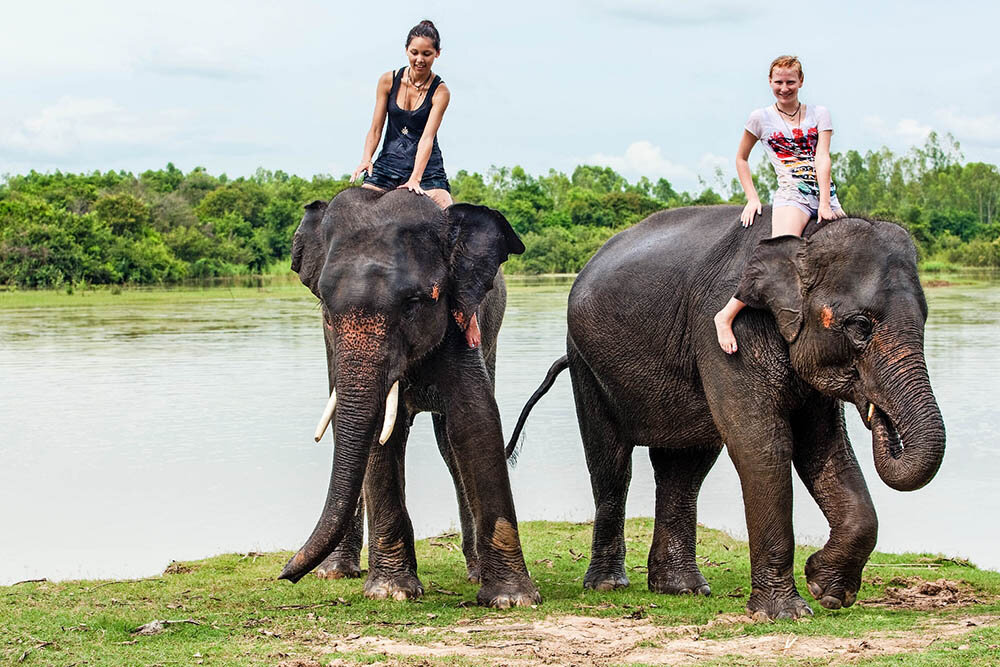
[395,276]
[839,317]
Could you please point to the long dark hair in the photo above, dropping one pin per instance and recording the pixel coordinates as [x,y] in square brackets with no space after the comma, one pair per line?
[425,29]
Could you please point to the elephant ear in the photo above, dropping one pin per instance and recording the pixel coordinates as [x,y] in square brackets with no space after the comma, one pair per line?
[775,280]
[480,239]
[309,246]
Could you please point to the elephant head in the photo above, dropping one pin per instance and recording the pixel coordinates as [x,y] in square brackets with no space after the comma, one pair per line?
[394,274]
[848,301]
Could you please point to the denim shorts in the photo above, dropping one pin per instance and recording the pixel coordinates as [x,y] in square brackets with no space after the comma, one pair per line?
[810,208]
[385,177]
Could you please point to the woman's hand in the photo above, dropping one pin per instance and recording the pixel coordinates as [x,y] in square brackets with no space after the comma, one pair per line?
[364,166]
[413,186]
[752,208]
[827,213]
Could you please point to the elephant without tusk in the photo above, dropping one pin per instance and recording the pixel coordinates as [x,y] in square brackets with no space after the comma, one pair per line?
[839,317]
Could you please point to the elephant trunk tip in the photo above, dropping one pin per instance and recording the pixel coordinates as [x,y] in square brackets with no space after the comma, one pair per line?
[294,569]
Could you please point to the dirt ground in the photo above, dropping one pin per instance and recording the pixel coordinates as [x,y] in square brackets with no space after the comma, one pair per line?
[575,640]
[580,640]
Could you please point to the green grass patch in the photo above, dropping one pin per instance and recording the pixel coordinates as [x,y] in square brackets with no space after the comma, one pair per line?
[240,287]
[230,609]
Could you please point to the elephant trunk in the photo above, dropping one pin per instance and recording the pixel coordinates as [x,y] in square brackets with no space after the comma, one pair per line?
[356,425]
[908,437]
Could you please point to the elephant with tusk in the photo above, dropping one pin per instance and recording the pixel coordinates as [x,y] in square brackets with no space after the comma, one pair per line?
[398,280]
[839,317]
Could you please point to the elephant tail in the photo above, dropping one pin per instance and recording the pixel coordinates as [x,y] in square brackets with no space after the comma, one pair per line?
[514,446]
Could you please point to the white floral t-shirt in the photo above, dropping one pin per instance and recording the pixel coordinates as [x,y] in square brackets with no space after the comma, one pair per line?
[792,151]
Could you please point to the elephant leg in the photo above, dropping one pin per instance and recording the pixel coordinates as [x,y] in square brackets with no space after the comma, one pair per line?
[392,561]
[679,474]
[762,454]
[609,461]
[345,561]
[826,464]
[472,426]
[464,513]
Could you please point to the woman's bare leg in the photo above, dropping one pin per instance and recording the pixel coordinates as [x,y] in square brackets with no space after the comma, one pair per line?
[788,220]
[785,221]
[472,335]
[372,187]
[724,324]
[441,197]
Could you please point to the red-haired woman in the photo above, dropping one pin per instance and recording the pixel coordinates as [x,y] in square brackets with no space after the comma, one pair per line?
[796,138]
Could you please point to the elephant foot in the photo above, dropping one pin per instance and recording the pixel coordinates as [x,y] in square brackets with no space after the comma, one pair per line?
[678,583]
[834,586]
[404,586]
[503,595]
[771,606]
[336,567]
[605,579]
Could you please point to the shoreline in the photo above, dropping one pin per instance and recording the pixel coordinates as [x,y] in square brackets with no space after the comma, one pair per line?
[287,286]
[230,609]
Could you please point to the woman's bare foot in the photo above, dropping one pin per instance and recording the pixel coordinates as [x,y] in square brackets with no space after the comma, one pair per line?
[472,334]
[724,331]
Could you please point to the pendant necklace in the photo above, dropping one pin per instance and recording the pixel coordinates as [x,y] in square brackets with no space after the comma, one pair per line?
[421,91]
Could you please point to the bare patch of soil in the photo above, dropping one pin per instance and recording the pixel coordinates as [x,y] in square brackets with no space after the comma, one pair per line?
[576,640]
[176,567]
[922,595]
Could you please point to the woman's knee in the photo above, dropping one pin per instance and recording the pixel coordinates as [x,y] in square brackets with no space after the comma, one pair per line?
[441,197]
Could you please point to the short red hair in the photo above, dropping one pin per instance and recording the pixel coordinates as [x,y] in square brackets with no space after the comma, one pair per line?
[786,62]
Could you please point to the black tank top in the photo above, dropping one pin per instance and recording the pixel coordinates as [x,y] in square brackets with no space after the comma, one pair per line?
[405,129]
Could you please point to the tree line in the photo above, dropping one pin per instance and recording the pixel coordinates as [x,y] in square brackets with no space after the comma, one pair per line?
[160,226]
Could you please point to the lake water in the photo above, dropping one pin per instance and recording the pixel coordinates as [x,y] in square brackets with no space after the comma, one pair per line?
[139,432]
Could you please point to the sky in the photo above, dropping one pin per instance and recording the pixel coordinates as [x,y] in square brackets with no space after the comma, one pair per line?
[650,88]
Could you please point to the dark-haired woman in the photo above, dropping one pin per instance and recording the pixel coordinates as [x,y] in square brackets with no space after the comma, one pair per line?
[414,99]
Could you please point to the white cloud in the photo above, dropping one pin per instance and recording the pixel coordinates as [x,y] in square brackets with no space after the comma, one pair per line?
[912,130]
[642,158]
[909,130]
[73,125]
[983,129]
[709,162]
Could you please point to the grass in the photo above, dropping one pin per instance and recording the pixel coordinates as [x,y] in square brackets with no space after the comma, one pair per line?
[242,615]
[240,287]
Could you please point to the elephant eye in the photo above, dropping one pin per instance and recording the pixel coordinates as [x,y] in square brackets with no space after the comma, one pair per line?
[412,303]
[859,328]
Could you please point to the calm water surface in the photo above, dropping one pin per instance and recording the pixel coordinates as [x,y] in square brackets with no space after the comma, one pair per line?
[142,432]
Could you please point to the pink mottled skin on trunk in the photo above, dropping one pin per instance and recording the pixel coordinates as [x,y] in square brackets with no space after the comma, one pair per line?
[360,339]
[435,291]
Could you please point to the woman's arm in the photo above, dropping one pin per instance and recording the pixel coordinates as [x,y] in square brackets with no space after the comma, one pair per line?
[753,206]
[378,122]
[438,105]
[823,168]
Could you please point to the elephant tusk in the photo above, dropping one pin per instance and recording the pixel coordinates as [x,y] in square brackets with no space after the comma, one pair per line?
[871,412]
[324,421]
[391,402]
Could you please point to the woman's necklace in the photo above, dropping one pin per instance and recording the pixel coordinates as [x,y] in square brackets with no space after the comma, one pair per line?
[793,116]
[419,87]
[790,115]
